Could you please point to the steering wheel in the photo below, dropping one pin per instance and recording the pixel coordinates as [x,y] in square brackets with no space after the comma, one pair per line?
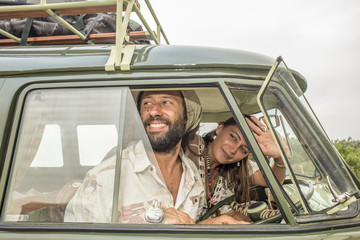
[277,217]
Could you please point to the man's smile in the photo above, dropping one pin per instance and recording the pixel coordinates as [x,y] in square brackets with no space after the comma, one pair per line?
[157,126]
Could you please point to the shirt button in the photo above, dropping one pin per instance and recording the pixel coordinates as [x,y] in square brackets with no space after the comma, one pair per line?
[151,169]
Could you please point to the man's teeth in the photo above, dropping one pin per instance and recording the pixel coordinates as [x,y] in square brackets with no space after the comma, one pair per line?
[158,125]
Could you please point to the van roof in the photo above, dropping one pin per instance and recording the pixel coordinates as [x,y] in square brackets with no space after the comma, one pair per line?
[36,59]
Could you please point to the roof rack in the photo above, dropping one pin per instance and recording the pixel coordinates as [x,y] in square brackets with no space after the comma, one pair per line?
[121,53]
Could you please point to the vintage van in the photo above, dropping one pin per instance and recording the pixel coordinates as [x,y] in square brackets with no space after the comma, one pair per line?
[65,107]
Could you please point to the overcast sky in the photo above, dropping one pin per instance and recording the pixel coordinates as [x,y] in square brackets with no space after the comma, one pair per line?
[318,38]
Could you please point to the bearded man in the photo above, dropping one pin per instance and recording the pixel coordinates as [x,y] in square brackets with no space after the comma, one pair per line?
[166,189]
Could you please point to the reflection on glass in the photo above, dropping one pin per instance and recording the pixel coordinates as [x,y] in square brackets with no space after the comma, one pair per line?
[95,141]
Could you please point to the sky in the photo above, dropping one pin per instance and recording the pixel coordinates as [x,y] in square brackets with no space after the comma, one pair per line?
[318,38]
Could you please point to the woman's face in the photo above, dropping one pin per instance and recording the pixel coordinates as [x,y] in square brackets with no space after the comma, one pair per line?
[229,145]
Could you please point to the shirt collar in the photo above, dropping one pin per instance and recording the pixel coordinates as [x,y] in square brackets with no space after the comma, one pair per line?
[141,161]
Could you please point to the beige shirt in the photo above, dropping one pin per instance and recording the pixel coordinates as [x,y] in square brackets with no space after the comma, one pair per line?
[139,187]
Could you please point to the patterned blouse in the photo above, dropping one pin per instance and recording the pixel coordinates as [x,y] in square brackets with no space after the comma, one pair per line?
[222,191]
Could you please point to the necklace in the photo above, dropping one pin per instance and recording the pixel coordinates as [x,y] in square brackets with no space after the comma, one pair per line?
[209,178]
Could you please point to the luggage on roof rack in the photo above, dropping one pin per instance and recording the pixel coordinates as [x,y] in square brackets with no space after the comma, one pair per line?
[20,23]
[100,28]
[79,18]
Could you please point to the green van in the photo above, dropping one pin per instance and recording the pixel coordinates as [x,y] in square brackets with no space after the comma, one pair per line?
[65,107]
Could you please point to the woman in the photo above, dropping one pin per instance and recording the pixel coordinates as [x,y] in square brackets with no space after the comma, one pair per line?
[222,159]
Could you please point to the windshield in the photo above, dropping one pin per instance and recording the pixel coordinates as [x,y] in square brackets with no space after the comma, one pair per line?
[310,152]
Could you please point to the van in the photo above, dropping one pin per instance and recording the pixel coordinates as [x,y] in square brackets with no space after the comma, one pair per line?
[66,107]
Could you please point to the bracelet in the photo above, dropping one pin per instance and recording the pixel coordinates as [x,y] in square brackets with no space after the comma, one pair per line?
[279,165]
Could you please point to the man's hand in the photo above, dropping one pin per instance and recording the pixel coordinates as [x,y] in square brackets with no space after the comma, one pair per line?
[173,216]
[223,219]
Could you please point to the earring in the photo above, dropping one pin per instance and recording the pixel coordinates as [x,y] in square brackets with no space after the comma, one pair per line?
[214,137]
[238,164]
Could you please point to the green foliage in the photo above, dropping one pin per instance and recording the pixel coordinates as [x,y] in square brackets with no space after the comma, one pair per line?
[350,151]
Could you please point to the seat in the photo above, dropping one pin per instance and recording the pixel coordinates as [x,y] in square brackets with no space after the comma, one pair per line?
[49,207]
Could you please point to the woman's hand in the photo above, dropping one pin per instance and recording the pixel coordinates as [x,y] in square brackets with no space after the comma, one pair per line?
[265,139]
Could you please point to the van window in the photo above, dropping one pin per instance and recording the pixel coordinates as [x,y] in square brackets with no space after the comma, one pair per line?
[49,153]
[95,141]
[63,133]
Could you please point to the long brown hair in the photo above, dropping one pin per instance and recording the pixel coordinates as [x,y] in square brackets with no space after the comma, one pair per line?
[236,177]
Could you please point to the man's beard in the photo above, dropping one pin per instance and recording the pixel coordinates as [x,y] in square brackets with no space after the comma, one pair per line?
[167,142]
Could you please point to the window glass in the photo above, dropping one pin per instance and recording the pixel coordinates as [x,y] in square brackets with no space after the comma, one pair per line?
[300,161]
[331,170]
[111,191]
[303,151]
[310,160]
[95,141]
[63,133]
[49,153]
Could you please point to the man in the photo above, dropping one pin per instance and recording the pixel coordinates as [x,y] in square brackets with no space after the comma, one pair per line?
[166,188]
[170,183]
[168,118]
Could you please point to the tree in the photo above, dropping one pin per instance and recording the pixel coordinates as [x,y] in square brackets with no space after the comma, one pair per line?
[350,151]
